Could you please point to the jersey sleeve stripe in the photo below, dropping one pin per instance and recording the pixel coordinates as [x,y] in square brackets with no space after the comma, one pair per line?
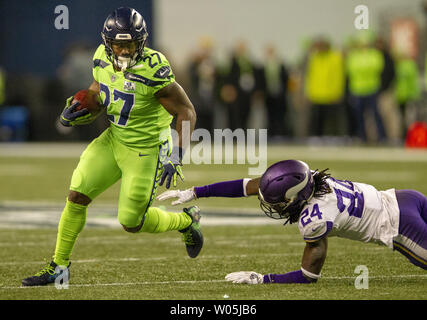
[99,63]
[141,79]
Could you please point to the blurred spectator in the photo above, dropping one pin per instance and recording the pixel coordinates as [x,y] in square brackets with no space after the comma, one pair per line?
[388,74]
[324,89]
[386,98]
[407,86]
[241,84]
[226,94]
[202,84]
[365,65]
[2,86]
[75,73]
[275,87]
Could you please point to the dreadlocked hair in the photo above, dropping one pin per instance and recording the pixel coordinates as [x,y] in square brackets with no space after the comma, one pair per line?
[321,188]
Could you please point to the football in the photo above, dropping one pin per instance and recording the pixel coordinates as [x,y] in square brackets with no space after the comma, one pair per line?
[88,99]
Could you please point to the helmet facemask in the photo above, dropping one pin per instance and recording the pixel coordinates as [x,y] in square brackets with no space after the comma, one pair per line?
[128,61]
[275,210]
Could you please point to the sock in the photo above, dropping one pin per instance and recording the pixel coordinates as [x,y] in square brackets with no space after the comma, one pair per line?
[72,221]
[158,220]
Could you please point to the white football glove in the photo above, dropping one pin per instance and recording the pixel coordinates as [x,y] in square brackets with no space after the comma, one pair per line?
[249,277]
[183,196]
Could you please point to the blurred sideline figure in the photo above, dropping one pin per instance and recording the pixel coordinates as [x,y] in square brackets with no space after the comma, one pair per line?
[274,83]
[202,73]
[386,97]
[141,96]
[364,65]
[2,86]
[243,79]
[407,87]
[324,89]
[323,207]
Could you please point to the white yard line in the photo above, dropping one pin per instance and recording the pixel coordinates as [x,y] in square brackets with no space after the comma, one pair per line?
[124,284]
[30,215]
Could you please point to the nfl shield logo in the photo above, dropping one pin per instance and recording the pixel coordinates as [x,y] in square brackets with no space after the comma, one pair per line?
[129,86]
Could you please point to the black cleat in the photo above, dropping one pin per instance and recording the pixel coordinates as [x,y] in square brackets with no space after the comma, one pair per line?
[192,236]
[46,276]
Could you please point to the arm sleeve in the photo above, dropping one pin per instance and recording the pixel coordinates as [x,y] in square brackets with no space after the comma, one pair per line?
[230,189]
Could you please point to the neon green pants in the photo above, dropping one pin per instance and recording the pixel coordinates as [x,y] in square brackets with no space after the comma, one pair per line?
[106,160]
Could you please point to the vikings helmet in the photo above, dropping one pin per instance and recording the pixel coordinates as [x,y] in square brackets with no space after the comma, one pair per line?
[284,188]
[124,25]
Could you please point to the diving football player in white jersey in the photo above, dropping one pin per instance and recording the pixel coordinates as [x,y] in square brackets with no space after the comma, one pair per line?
[323,207]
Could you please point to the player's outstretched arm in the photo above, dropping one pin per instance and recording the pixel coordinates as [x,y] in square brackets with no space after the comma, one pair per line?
[313,258]
[228,189]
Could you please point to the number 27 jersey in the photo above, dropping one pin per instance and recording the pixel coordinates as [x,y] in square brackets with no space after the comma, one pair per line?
[354,211]
[137,119]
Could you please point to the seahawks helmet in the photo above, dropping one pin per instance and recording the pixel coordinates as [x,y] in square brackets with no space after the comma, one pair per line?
[284,188]
[124,26]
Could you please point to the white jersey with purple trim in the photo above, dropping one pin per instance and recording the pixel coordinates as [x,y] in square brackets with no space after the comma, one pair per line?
[354,211]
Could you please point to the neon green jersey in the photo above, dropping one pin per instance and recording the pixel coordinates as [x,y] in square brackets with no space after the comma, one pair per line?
[136,117]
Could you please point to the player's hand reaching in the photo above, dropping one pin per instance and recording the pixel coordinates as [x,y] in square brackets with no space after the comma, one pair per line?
[172,168]
[249,277]
[183,196]
[70,117]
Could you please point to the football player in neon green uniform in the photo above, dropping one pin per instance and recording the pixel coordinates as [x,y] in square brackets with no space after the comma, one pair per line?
[141,96]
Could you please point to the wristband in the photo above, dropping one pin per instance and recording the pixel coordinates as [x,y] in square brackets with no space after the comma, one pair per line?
[290,277]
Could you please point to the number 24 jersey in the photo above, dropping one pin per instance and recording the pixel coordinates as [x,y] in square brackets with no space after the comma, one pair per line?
[352,210]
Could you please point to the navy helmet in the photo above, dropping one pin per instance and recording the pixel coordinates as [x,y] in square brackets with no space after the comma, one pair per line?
[124,25]
[284,188]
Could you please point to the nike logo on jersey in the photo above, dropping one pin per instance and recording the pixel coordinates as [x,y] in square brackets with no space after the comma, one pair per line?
[315,229]
[142,155]
[163,72]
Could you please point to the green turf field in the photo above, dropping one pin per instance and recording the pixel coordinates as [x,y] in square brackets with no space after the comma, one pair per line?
[109,263]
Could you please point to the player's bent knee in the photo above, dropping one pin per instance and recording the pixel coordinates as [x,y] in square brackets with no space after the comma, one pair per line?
[78,198]
[132,229]
[130,224]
